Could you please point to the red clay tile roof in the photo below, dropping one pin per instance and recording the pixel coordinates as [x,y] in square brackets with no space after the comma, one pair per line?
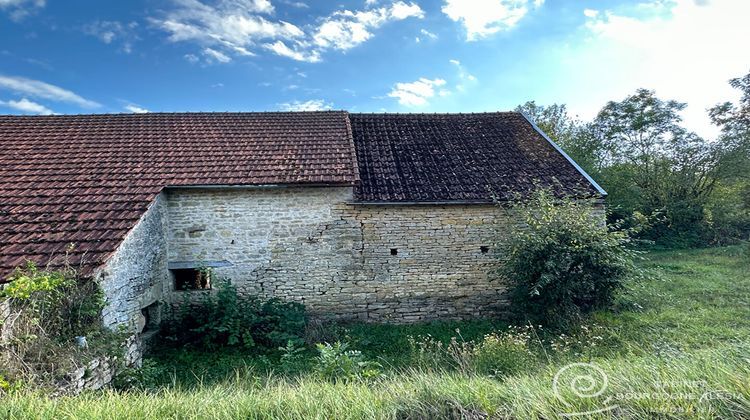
[87,179]
[458,157]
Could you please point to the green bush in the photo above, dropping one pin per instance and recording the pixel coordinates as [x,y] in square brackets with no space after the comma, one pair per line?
[336,362]
[223,318]
[566,263]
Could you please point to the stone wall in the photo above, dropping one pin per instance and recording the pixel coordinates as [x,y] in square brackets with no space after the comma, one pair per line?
[310,245]
[133,281]
[134,277]
[444,264]
[4,319]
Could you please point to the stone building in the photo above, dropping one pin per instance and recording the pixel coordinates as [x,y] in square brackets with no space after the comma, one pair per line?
[374,217]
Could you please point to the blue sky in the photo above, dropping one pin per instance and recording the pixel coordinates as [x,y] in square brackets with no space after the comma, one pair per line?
[366,55]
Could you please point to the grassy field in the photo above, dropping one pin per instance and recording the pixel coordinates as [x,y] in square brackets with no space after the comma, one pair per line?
[677,345]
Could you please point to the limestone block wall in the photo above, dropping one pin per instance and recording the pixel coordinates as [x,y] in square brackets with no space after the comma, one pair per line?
[313,246]
[445,260]
[135,276]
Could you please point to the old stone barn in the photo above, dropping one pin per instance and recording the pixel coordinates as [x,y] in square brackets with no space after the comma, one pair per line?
[375,217]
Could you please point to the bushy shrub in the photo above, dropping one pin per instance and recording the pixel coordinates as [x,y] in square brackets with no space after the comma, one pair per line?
[223,318]
[336,362]
[566,262]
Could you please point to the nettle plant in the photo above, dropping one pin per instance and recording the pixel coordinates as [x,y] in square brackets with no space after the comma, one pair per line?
[567,262]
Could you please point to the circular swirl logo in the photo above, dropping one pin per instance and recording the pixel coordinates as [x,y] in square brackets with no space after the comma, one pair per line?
[584,380]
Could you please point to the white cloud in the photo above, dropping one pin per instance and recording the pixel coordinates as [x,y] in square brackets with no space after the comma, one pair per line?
[192,58]
[280,48]
[113,31]
[401,11]
[19,9]
[590,13]
[482,18]
[417,93]
[27,106]
[428,34]
[297,4]
[346,29]
[311,105]
[216,56]
[136,109]
[685,50]
[235,27]
[39,89]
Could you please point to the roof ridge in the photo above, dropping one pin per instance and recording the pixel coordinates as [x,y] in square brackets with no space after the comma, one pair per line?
[201,113]
[176,113]
[435,113]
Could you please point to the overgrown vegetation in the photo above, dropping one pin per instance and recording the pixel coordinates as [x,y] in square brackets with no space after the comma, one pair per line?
[694,191]
[224,318]
[47,311]
[566,263]
[675,347]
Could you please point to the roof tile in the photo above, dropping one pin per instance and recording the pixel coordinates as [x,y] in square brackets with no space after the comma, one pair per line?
[87,179]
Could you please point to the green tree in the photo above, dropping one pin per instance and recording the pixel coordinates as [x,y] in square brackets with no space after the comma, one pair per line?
[658,166]
[730,206]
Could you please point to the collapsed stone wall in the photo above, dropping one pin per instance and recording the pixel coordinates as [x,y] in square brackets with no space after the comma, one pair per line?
[390,263]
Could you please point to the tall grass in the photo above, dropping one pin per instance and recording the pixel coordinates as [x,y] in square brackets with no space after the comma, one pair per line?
[678,346]
[707,384]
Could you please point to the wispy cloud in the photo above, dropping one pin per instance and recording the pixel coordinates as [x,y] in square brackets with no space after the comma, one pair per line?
[27,106]
[297,4]
[426,35]
[465,78]
[237,27]
[213,55]
[19,9]
[419,92]
[135,109]
[482,18]
[39,89]
[111,32]
[311,105]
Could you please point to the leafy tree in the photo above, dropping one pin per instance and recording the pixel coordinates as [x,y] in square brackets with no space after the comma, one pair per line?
[671,172]
[730,205]
[690,190]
